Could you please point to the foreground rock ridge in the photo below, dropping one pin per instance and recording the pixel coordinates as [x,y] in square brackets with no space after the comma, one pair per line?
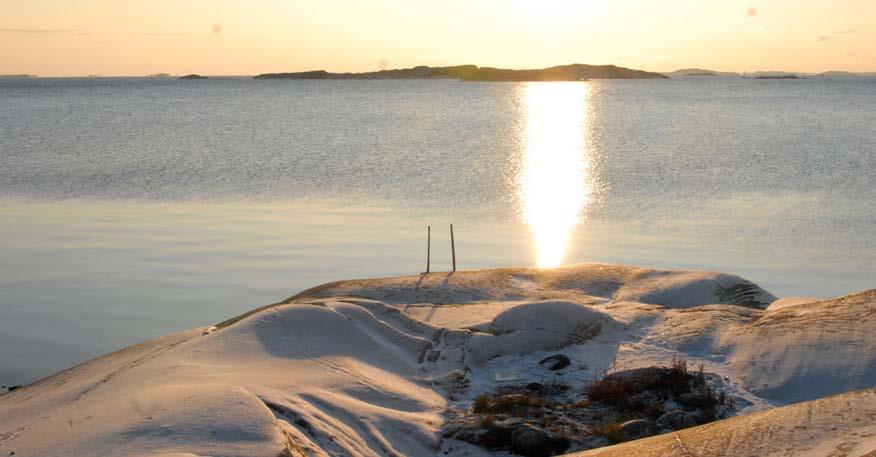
[393,366]
[573,72]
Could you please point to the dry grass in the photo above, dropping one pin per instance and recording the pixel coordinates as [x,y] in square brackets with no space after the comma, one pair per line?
[517,405]
[622,390]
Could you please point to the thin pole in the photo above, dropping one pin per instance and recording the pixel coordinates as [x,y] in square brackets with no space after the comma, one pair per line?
[428,246]
[452,247]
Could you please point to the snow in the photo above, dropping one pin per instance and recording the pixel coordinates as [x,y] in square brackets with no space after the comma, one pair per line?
[791,301]
[807,351]
[369,367]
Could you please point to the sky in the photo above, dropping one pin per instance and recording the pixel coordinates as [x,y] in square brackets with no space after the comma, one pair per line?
[246,37]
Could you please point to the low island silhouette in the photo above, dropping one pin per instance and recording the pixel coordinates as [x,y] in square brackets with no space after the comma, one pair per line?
[573,72]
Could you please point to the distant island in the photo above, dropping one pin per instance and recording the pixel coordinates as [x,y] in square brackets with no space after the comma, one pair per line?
[17,76]
[699,72]
[574,72]
[843,74]
[160,75]
[193,76]
[773,75]
[685,72]
[777,77]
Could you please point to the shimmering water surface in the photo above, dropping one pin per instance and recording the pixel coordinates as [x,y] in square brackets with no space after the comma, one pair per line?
[131,208]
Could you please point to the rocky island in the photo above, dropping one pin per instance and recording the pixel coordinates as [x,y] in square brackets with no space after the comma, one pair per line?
[192,76]
[777,77]
[699,72]
[588,359]
[574,72]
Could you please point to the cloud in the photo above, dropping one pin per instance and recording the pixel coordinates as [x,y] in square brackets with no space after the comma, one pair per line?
[846,32]
[752,12]
[822,38]
[217,29]
[43,31]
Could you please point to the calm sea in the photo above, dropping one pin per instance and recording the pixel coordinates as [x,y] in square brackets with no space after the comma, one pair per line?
[133,207]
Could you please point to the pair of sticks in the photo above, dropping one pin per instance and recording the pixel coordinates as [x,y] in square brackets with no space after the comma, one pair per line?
[429,247]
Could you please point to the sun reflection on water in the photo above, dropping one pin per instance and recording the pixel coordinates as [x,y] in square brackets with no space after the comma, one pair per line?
[555,185]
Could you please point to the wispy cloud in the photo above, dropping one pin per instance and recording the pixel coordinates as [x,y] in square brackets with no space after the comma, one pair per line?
[846,32]
[43,31]
[822,38]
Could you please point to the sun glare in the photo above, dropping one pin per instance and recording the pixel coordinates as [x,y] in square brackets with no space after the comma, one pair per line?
[554,186]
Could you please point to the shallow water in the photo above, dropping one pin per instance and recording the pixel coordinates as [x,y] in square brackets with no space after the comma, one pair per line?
[135,207]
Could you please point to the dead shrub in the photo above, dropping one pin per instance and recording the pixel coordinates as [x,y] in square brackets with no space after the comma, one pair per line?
[517,405]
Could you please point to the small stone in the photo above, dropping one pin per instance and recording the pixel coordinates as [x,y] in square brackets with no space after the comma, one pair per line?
[555,362]
[534,386]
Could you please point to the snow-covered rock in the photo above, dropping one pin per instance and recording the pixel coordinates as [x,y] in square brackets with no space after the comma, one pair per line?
[808,350]
[790,301]
[369,367]
[685,289]
[537,326]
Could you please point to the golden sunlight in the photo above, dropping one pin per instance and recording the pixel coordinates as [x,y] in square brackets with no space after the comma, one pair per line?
[554,186]
[549,13]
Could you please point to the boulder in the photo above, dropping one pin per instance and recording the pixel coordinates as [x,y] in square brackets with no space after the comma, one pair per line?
[537,326]
[575,321]
[497,433]
[694,400]
[646,399]
[687,289]
[677,419]
[555,362]
[531,441]
[638,428]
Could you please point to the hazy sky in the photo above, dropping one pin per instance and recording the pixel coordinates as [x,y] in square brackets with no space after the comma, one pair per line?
[241,37]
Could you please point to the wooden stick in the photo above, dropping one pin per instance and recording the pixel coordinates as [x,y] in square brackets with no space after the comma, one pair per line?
[428,246]
[452,247]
